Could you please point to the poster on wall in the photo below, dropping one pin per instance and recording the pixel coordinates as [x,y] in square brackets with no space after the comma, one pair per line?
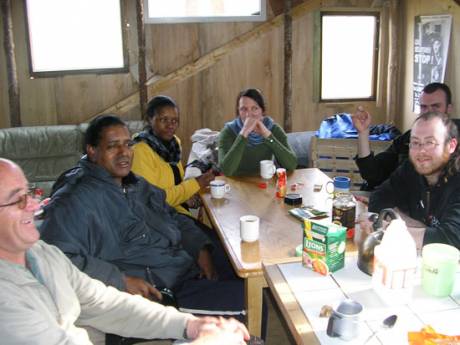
[431,47]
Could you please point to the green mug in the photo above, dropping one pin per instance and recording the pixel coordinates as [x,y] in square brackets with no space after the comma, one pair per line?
[439,268]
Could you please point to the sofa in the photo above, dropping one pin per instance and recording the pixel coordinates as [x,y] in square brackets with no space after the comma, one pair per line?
[44,152]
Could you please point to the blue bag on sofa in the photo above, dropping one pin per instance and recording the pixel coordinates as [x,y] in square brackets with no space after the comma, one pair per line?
[340,126]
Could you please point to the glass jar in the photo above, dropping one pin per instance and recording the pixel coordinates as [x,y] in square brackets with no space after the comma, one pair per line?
[344,212]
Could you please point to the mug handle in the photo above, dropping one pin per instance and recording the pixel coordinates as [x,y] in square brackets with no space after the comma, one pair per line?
[330,187]
[227,188]
[330,327]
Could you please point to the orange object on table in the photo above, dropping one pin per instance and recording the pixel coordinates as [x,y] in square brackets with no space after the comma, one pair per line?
[428,336]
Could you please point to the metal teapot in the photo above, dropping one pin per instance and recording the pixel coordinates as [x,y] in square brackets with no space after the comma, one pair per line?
[366,246]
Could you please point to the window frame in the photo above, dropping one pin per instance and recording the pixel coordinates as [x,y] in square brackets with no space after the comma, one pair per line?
[60,73]
[207,19]
[375,75]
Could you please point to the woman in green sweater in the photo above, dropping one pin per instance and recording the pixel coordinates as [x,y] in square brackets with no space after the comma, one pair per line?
[251,137]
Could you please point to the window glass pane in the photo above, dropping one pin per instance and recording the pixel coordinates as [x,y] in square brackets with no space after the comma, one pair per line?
[347,57]
[204,10]
[75,34]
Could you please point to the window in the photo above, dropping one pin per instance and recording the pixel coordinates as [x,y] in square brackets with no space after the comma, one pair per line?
[348,56]
[75,36]
[190,11]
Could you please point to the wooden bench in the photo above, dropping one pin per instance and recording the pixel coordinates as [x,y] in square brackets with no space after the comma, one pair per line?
[335,157]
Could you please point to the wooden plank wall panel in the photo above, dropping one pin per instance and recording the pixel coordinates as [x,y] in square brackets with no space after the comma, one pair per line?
[37,97]
[452,78]
[171,46]
[214,35]
[87,94]
[255,64]
[303,111]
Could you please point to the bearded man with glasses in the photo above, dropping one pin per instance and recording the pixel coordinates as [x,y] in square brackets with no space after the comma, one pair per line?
[375,169]
[427,186]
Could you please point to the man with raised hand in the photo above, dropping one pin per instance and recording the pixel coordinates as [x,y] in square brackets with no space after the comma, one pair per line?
[376,169]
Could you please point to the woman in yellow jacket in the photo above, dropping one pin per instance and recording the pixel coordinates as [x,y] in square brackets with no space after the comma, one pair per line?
[157,156]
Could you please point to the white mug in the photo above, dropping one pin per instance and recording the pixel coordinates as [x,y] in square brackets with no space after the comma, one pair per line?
[267,169]
[219,188]
[249,228]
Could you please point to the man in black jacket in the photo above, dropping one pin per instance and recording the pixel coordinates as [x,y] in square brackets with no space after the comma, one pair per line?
[427,186]
[118,228]
[376,169]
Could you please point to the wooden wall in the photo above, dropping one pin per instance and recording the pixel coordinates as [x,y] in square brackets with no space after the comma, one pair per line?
[425,7]
[206,98]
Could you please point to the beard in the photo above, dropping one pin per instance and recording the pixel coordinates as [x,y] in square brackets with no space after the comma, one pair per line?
[432,165]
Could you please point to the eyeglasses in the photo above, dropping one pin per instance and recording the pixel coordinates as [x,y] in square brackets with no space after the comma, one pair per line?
[21,202]
[428,146]
[167,120]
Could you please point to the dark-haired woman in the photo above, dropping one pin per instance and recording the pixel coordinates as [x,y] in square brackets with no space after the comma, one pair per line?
[157,156]
[251,137]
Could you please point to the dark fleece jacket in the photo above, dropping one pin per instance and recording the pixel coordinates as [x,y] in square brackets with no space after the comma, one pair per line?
[109,230]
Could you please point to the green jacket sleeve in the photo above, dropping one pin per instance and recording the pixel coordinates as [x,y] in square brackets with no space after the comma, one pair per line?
[231,149]
[280,147]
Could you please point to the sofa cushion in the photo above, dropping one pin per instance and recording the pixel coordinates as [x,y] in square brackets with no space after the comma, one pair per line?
[300,143]
[43,152]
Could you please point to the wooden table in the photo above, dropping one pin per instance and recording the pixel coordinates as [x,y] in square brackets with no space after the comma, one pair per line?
[441,313]
[280,233]
[295,318]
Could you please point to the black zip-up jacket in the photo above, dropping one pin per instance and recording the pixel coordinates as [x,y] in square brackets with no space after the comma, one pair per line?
[108,230]
[438,207]
[375,169]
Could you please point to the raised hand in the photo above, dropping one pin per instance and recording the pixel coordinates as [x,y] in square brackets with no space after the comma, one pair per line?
[361,119]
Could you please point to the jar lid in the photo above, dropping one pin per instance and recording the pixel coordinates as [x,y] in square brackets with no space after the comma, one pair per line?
[293,199]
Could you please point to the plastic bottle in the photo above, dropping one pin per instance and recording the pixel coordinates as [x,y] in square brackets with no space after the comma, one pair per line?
[395,261]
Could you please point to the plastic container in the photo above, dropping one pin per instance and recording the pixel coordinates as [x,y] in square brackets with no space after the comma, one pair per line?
[395,261]
[281,183]
[439,268]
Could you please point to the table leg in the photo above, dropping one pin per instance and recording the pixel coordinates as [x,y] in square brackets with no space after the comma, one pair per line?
[253,295]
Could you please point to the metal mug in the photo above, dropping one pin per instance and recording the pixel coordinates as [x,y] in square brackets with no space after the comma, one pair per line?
[345,320]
